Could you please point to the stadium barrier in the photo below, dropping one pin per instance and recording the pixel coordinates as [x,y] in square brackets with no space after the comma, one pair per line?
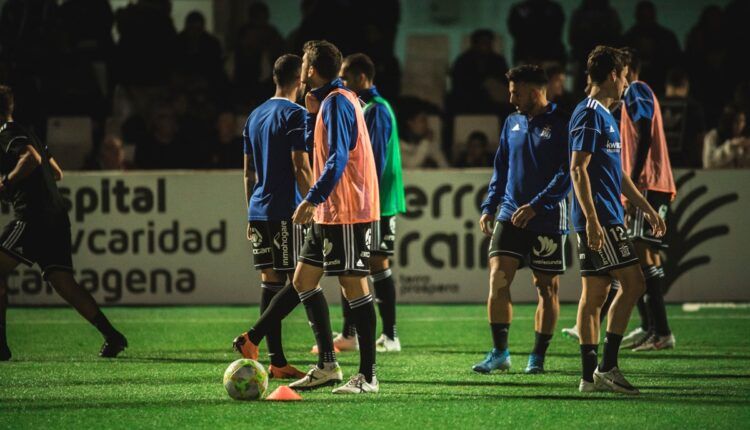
[179,238]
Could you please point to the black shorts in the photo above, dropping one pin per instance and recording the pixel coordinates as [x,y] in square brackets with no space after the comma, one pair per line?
[618,252]
[639,228]
[384,236]
[276,244]
[47,244]
[340,249]
[540,251]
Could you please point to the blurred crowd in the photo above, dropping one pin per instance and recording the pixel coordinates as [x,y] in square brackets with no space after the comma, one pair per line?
[158,98]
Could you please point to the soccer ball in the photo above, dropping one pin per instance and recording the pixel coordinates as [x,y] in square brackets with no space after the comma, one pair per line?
[246,380]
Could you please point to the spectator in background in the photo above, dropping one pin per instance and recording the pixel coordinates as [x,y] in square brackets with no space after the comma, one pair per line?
[595,22]
[87,28]
[380,19]
[736,34]
[109,156]
[556,92]
[657,46]
[227,148]
[476,153]
[476,76]
[199,52]
[147,45]
[684,121]
[419,147]
[251,64]
[536,27]
[705,55]
[727,146]
[160,150]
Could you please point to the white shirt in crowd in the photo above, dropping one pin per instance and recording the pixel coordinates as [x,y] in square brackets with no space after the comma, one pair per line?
[731,153]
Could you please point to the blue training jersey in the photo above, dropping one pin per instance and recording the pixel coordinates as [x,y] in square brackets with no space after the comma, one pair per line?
[272,131]
[639,101]
[532,167]
[593,129]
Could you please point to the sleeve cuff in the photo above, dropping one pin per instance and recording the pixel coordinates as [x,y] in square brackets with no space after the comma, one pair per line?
[314,198]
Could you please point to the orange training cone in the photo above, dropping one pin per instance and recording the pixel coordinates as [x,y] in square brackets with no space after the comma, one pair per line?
[284,394]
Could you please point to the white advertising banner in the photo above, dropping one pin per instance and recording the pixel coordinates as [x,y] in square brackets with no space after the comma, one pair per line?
[179,238]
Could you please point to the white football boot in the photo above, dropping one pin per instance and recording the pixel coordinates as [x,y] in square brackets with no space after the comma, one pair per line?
[341,343]
[613,381]
[634,338]
[386,344]
[317,378]
[656,343]
[571,333]
[586,386]
[358,385]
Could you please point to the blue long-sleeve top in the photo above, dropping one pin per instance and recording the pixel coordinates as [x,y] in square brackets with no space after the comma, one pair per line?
[378,121]
[532,167]
[341,126]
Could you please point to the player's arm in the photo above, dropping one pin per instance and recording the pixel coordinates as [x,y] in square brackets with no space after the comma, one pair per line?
[379,126]
[56,169]
[296,139]
[556,190]
[496,189]
[639,102]
[28,160]
[582,185]
[302,171]
[636,198]
[339,119]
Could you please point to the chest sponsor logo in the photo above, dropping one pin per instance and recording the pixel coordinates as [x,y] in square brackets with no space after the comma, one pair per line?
[546,132]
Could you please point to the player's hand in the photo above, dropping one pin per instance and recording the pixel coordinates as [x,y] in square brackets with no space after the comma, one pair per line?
[249,232]
[312,103]
[522,216]
[658,226]
[485,224]
[304,213]
[594,235]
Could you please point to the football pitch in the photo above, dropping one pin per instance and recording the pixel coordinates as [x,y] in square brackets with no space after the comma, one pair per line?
[171,374]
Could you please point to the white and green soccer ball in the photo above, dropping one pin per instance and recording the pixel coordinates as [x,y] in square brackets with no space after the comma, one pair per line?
[246,380]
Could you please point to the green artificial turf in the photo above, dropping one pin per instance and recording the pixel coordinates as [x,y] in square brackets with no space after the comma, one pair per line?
[171,375]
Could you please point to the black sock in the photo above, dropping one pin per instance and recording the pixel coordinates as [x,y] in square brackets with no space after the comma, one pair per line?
[643,312]
[500,335]
[611,350]
[105,327]
[349,329]
[3,307]
[273,337]
[541,343]
[655,300]
[317,314]
[363,314]
[385,294]
[588,361]
[278,308]
[610,298]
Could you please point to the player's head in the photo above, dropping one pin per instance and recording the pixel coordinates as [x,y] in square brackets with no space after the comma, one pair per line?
[7,103]
[528,87]
[358,72]
[195,23]
[732,122]
[678,83]
[607,69]
[321,62]
[633,61]
[286,72]
[482,40]
[556,84]
[645,12]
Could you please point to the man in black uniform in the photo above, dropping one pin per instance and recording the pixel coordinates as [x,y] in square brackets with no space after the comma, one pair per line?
[40,230]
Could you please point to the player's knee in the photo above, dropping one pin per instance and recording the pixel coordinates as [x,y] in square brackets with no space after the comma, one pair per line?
[378,263]
[498,283]
[547,292]
[593,300]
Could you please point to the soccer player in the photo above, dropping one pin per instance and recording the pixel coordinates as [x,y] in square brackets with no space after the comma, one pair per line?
[275,149]
[358,74]
[645,157]
[606,251]
[343,203]
[530,183]
[40,231]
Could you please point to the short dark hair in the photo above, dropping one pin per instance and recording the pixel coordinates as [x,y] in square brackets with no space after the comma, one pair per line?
[195,16]
[602,61]
[287,69]
[7,102]
[360,63]
[631,58]
[527,73]
[482,33]
[324,56]
[677,77]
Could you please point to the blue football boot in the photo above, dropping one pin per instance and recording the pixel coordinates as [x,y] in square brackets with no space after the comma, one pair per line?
[536,364]
[495,360]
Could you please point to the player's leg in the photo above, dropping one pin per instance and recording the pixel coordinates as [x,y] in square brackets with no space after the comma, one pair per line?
[272,283]
[360,300]
[545,318]
[7,265]
[593,295]
[572,332]
[661,336]
[62,280]
[383,247]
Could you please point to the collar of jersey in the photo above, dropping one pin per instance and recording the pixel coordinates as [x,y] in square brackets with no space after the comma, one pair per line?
[369,94]
[322,92]
[598,103]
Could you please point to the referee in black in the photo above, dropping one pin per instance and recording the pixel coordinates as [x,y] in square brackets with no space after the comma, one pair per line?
[40,230]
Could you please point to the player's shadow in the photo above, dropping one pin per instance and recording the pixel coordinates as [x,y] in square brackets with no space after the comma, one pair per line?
[471,383]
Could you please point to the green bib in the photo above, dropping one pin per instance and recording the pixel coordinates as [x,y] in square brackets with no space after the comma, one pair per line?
[392,199]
